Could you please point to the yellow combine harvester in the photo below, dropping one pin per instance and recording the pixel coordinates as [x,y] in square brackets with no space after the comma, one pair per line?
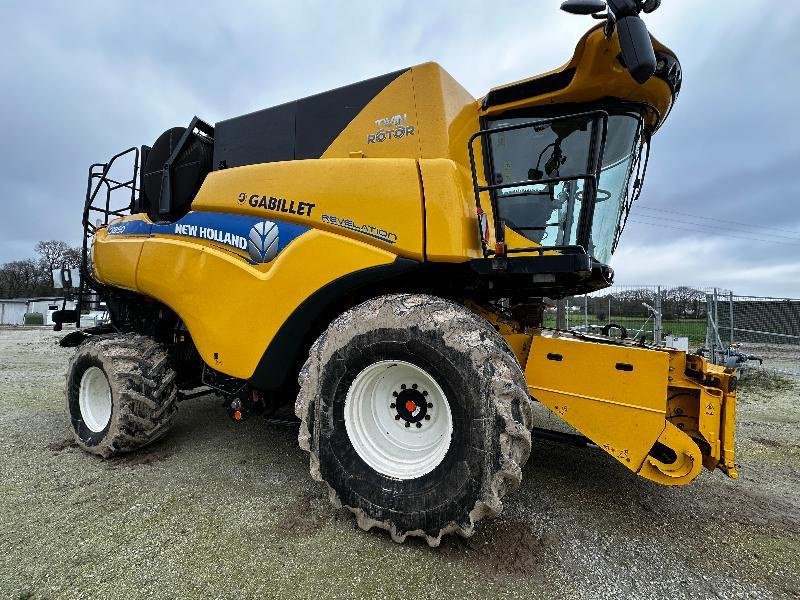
[384,253]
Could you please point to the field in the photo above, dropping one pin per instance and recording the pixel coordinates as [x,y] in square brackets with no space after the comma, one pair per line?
[225,510]
[694,329]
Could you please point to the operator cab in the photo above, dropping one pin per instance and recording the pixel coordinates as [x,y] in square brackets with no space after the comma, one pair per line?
[564,180]
[560,158]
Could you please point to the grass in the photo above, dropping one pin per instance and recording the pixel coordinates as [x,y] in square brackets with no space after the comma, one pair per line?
[760,380]
[694,329]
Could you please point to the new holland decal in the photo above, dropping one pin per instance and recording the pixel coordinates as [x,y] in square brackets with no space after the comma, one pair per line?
[262,243]
[211,233]
[252,238]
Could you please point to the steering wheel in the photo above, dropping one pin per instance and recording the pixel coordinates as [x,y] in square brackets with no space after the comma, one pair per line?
[623,333]
[602,195]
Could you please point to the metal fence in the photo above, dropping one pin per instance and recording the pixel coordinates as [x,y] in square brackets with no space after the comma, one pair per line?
[717,321]
[768,328]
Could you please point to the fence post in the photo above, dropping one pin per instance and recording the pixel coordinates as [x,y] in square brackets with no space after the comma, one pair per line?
[586,313]
[716,317]
[561,322]
[730,308]
[709,320]
[609,309]
[657,318]
[713,339]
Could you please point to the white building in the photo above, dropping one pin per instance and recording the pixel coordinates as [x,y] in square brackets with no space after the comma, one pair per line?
[13,310]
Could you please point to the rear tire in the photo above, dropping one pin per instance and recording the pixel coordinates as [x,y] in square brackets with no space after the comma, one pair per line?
[361,399]
[121,393]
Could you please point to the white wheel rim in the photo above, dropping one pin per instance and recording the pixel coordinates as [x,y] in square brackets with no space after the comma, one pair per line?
[94,399]
[376,422]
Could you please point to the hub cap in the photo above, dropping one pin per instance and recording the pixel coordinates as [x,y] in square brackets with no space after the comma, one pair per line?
[398,419]
[94,399]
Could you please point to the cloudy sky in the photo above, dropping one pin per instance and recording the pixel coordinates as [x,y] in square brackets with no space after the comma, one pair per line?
[721,206]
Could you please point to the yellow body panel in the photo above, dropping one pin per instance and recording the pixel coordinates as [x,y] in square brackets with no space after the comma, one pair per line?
[233,309]
[395,100]
[625,399]
[448,114]
[702,403]
[621,411]
[362,199]
[451,223]
[599,74]
[115,260]
[440,113]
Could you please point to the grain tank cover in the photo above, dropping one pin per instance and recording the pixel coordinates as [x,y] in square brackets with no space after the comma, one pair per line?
[296,130]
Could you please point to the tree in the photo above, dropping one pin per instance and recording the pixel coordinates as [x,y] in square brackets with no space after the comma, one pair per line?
[684,301]
[21,278]
[53,254]
[630,302]
[72,258]
[32,277]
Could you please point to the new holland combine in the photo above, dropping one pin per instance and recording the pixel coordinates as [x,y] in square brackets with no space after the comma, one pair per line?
[383,254]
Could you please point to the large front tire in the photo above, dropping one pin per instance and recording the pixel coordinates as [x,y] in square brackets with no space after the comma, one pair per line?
[121,393]
[415,415]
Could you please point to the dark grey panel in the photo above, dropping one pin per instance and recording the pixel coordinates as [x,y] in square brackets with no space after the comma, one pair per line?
[263,136]
[321,118]
[296,130]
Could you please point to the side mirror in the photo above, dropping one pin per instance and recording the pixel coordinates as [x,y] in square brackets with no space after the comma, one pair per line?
[649,6]
[637,48]
[583,7]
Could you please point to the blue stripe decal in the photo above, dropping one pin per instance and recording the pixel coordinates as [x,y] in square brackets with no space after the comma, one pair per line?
[260,238]
[129,228]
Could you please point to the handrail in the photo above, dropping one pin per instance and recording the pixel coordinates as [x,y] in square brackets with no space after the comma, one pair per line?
[97,178]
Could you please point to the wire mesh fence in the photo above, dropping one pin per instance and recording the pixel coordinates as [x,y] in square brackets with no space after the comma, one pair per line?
[725,326]
[767,328]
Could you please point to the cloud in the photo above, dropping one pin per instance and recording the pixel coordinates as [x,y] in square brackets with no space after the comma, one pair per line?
[86,79]
[705,263]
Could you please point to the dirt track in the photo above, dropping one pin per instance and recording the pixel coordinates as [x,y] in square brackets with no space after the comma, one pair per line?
[219,510]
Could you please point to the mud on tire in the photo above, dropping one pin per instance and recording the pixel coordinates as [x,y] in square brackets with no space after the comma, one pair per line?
[142,390]
[487,396]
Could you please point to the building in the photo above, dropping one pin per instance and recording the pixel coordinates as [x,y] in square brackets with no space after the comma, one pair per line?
[13,310]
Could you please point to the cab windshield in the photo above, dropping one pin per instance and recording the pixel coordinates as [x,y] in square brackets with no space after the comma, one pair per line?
[563,155]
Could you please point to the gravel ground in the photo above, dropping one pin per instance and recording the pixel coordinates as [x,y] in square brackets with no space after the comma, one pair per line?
[225,510]
[784,358]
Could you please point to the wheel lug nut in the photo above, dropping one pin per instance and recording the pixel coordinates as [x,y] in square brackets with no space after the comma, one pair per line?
[430,405]
[394,394]
[397,417]
[414,386]
[392,405]
[419,424]
[427,417]
[424,393]
[403,386]
[408,424]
